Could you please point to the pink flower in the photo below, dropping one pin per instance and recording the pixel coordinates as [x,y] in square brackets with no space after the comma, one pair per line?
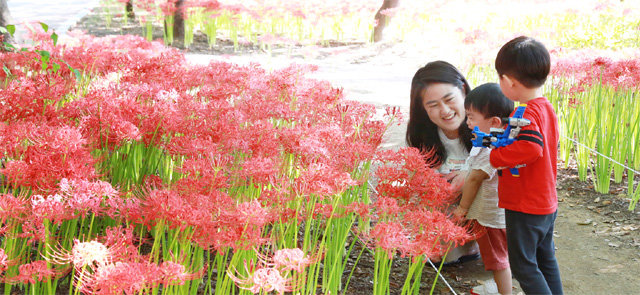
[291,259]
[33,272]
[262,280]
[4,263]
[390,237]
[92,254]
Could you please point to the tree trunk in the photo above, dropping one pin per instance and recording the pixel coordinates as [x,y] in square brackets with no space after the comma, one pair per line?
[178,22]
[128,11]
[381,19]
[5,19]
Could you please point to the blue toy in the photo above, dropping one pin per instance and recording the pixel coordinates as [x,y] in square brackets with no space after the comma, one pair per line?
[498,137]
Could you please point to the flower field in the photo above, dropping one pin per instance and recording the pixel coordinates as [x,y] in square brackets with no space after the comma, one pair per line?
[126,169]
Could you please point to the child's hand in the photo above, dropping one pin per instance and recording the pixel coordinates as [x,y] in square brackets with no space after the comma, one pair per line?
[460,213]
[456,179]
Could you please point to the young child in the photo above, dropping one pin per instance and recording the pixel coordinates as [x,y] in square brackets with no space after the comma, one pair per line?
[485,106]
[530,200]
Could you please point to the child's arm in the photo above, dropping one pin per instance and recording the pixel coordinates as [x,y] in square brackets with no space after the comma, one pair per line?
[525,150]
[469,191]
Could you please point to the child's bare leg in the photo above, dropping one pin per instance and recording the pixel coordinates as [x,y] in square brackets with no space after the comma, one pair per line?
[503,280]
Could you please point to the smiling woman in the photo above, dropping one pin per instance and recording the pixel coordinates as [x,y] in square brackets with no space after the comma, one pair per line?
[437,122]
[437,106]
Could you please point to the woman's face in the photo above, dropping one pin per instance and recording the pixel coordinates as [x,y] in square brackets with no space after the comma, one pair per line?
[444,104]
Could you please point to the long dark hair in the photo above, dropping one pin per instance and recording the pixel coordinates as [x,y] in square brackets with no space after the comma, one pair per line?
[422,133]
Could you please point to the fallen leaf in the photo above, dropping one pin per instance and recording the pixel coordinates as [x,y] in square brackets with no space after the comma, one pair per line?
[612,268]
[586,222]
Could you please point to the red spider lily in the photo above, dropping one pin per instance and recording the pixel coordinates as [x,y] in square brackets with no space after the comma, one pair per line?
[286,259]
[133,277]
[4,262]
[51,207]
[260,170]
[409,179]
[33,272]
[323,180]
[291,259]
[169,207]
[360,209]
[34,99]
[588,67]
[107,122]
[324,211]
[261,279]
[47,155]
[242,227]
[432,231]
[120,242]
[246,143]
[12,211]
[83,196]
[390,237]
[91,254]
[386,208]
[411,196]
[413,231]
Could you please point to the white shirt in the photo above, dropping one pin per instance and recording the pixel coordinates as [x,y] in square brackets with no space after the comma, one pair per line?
[485,208]
[456,155]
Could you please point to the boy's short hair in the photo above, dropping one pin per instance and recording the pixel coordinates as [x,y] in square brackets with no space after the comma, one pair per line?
[489,100]
[525,59]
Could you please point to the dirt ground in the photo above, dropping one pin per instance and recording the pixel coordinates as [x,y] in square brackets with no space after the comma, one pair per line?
[597,237]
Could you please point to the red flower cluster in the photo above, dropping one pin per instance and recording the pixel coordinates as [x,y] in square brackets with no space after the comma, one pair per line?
[588,67]
[220,154]
[411,206]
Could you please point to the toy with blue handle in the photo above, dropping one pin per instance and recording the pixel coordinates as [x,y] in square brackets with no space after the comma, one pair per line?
[498,137]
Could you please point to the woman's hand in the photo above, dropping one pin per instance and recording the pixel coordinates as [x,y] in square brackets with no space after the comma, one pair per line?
[456,179]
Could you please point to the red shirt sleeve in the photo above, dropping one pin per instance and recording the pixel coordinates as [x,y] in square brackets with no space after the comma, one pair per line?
[527,149]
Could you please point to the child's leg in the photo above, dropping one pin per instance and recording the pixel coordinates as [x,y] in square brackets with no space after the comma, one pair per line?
[547,262]
[493,248]
[525,232]
[503,280]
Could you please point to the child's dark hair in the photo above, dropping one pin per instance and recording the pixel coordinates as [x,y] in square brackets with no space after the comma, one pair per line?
[525,59]
[489,100]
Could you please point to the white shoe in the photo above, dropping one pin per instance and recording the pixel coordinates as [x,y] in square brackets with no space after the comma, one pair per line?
[489,287]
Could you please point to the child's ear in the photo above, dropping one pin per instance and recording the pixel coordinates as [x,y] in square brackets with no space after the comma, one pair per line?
[508,80]
[495,122]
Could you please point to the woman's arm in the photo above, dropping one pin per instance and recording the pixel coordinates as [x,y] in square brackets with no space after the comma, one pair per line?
[469,191]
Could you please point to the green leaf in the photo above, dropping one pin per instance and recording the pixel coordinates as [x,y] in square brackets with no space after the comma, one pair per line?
[6,70]
[78,75]
[55,67]
[8,45]
[54,37]
[3,30]
[44,26]
[44,55]
[11,29]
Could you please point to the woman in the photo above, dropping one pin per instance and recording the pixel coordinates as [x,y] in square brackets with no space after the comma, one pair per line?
[437,121]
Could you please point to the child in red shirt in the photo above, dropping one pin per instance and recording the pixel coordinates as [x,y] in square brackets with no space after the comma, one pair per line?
[530,200]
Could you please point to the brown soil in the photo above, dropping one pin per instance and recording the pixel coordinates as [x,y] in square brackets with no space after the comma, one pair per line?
[598,238]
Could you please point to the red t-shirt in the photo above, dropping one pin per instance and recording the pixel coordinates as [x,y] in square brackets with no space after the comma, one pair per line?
[534,191]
